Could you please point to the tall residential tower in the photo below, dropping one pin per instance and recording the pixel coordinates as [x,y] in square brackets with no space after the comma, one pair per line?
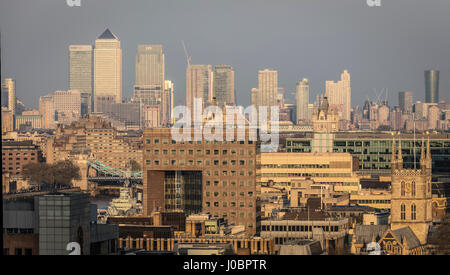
[224,85]
[302,98]
[432,86]
[199,84]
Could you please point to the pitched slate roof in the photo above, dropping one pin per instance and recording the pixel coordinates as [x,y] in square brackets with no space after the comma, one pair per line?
[406,232]
[365,233]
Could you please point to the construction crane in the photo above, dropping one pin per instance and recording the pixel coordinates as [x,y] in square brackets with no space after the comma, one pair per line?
[188,57]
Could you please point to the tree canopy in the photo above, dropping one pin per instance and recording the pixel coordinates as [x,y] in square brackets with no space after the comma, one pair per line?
[135,167]
[57,175]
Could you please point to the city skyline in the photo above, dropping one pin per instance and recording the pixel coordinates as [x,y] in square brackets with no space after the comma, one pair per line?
[313,58]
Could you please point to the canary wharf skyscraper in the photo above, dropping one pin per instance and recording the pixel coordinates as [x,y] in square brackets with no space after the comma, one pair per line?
[150,66]
[107,69]
[432,86]
[149,86]
[199,84]
[80,68]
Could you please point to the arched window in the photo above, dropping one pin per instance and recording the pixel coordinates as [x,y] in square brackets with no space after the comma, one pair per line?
[413,189]
[388,246]
[402,212]
[413,212]
[402,190]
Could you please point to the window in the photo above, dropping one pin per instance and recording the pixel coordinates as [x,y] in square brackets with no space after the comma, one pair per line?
[413,212]
[413,189]
[402,212]
[402,189]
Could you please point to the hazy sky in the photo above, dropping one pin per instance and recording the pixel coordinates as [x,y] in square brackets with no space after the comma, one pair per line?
[382,47]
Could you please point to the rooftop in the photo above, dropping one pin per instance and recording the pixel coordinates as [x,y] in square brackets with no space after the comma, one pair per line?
[107,34]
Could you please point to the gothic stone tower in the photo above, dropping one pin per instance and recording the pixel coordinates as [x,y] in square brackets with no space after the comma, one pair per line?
[411,193]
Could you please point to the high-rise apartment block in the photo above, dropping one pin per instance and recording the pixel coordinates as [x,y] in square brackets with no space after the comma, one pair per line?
[107,68]
[224,90]
[302,98]
[405,100]
[267,88]
[339,94]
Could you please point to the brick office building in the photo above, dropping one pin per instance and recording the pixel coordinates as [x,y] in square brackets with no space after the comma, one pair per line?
[217,177]
[16,154]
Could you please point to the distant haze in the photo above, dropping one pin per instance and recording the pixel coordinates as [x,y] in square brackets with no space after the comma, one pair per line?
[381,47]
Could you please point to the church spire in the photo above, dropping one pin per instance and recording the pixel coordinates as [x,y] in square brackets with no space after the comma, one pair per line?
[422,155]
[428,160]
